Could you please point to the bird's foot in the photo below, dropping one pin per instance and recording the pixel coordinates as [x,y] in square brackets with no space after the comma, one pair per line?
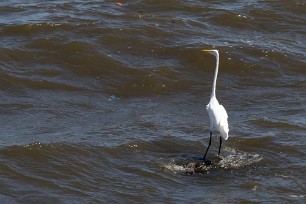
[219,158]
[207,162]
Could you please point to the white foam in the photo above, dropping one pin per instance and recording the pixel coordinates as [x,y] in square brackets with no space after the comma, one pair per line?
[297,196]
[234,160]
[238,160]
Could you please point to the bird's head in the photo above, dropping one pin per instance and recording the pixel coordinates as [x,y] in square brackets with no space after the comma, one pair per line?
[213,52]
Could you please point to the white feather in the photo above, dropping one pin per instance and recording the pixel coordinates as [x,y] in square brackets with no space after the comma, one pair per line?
[218,117]
[216,112]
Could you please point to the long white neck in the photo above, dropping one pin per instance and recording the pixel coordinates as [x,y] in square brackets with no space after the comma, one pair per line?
[213,91]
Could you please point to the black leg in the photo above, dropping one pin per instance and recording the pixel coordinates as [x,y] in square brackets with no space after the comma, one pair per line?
[208,146]
[220,145]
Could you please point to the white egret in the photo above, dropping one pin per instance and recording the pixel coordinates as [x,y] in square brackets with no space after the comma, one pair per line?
[216,112]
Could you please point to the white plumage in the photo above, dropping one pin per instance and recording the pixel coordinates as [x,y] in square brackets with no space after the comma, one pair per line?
[218,117]
[216,112]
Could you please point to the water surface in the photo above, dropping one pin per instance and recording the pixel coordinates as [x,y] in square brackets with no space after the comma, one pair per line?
[106,103]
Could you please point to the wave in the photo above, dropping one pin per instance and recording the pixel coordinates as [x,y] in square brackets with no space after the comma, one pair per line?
[169,153]
[280,124]
[16,83]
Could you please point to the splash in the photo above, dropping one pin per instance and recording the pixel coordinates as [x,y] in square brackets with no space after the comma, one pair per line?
[189,165]
[238,160]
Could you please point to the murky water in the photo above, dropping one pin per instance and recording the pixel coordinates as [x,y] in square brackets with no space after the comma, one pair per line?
[104,102]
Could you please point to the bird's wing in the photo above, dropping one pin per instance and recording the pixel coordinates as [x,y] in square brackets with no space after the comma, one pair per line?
[223,124]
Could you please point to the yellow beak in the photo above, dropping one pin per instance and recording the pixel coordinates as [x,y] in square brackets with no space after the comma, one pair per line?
[206,50]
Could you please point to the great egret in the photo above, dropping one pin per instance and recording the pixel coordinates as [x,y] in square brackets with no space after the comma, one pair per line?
[216,112]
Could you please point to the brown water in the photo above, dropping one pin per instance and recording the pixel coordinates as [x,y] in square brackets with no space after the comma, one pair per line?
[106,103]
